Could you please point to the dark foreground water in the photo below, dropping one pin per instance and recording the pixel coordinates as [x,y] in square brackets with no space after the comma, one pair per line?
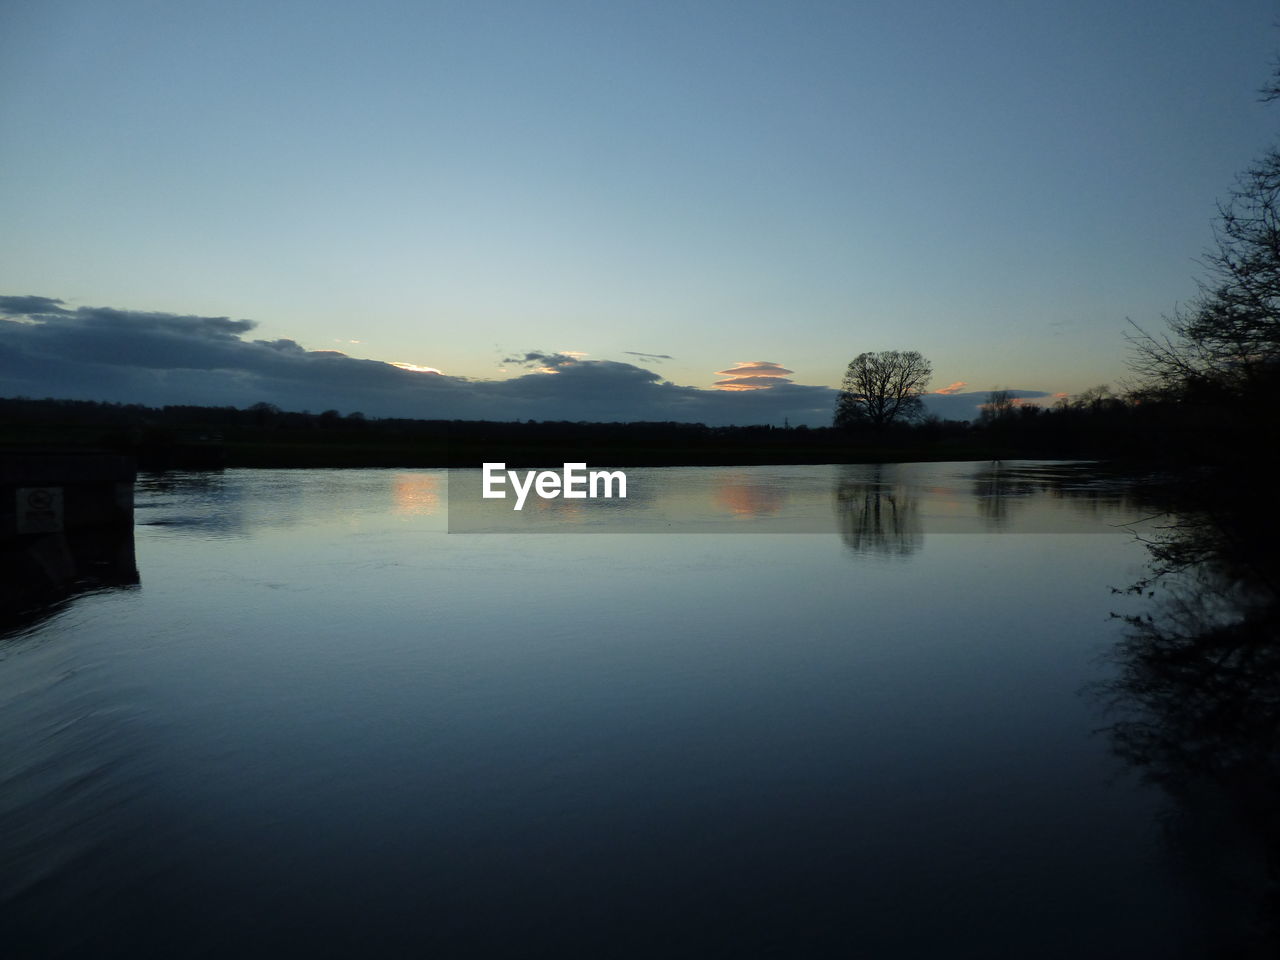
[322,726]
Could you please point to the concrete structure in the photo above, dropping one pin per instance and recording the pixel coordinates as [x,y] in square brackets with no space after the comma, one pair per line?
[64,492]
[66,524]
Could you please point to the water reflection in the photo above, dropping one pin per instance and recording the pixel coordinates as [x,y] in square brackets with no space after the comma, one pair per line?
[208,503]
[881,509]
[330,730]
[1198,693]
[1008,493]
[39,574]
[995,488]
[416,494]
[747,499]
[235,504]
[878,513]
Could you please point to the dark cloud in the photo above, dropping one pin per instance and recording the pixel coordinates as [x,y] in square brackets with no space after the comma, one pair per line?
[30,306]
[536,358]
[102,353]
[648,356]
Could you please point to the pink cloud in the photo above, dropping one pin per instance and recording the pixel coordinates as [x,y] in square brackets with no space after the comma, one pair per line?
[953,388]
[755,368]
[752,375]
[751,383]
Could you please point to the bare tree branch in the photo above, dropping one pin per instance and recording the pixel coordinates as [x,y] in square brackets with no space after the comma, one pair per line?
[881,388]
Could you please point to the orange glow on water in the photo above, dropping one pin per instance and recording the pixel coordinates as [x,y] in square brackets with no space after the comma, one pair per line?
[415,494]
[750,500]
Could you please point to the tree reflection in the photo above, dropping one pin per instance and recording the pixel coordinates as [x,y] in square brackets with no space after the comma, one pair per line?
[996,487]
[1198,692]
[877,514]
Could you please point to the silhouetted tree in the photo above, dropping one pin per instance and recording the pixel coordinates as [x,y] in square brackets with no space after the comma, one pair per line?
[1097,399]
[1217,368]
[1228,339]
[999,406]
[882,388]
[264,413]
[1199,680]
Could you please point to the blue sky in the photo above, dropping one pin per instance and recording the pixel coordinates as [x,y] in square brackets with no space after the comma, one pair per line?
[997,185]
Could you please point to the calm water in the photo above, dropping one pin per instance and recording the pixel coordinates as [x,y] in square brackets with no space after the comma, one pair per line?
[323,726]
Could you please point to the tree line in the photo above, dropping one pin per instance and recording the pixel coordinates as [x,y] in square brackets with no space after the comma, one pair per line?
[1197,692]
[1203,390]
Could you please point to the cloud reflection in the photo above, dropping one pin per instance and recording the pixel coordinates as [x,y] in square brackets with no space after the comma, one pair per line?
[415,494]
[750,500]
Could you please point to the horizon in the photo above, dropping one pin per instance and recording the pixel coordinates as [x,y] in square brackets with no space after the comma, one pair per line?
[155,359]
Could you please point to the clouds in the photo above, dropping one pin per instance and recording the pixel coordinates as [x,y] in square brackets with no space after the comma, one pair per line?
[104,353]
[91,320]
[31,306]
[759,368]
[648,356]
[545,362]
[753,375]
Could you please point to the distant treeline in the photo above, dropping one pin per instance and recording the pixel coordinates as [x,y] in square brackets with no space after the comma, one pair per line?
[1098,425]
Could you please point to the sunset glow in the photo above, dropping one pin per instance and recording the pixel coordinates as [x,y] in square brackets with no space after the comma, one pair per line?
[414,368]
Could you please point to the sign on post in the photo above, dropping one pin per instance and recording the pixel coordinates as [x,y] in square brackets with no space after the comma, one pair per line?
[39,510]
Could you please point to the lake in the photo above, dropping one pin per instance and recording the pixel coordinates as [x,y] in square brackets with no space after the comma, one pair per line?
[850,716]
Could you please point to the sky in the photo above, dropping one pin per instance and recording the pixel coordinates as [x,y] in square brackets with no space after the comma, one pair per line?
[654,195]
